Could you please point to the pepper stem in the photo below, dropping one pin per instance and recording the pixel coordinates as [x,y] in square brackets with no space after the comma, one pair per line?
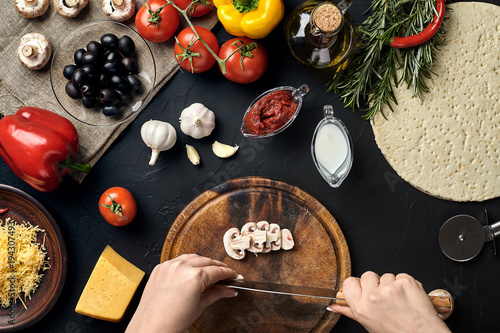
[75,166]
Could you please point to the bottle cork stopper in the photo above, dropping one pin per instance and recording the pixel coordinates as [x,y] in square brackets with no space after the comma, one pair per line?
[327,17]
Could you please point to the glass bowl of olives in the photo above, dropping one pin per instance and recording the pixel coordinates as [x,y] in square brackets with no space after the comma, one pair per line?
[103,73]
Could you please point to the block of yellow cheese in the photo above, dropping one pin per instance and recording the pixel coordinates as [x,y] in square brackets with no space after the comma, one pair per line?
[110,288]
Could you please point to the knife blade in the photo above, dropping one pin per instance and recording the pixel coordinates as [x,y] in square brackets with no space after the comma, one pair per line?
[441,299]
[282,289]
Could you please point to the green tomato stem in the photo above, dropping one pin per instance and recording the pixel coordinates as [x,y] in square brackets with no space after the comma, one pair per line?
[184,13]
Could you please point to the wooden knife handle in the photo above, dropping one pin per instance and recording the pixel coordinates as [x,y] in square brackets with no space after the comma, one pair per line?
[440,298]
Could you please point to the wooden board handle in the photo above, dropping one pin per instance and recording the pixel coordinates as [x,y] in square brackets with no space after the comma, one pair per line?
[440,298]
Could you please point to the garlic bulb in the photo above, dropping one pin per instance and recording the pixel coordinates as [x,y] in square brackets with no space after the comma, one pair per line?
[159,136]
[197,121]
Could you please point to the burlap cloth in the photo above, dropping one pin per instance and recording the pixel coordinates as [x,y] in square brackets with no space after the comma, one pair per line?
[20,86]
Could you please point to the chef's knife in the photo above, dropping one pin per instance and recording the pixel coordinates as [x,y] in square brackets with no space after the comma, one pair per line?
[441,299]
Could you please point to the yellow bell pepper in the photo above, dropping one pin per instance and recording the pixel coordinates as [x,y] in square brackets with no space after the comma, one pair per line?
[256,23]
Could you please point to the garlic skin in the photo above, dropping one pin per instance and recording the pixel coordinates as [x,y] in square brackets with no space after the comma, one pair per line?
[197,121]
[159,136]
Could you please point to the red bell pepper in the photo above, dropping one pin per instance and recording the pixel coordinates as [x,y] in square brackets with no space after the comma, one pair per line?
[39,146]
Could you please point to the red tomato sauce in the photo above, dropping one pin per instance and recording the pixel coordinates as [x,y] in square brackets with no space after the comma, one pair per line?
[270,112]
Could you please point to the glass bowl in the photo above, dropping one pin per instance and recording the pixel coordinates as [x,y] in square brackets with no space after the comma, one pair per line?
[331,148]
[297,94]
[78,38]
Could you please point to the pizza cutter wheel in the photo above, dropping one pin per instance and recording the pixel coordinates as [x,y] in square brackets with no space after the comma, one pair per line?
[462,237]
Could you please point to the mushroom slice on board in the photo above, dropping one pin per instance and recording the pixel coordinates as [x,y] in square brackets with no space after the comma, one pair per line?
[250,229]
[31,8]
[264,226]
[274,236]
[34,50]
[230,236]
[286,239]
[70,8]
[118,10]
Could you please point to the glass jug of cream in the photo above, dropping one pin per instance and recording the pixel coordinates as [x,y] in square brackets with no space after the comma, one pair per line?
[331,148]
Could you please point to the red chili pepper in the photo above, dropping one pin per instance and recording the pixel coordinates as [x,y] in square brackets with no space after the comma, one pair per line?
[39,146]
[429,31]
[3,210]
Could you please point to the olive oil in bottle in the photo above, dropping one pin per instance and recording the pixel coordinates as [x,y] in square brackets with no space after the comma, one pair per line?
[320,34]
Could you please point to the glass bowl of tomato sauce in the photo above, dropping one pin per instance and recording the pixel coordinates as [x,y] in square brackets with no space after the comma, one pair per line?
[273,111]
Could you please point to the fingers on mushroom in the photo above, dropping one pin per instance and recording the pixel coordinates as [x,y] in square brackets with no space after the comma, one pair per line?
[70,8]
[34,50]
[260,237]
[118,10]
[31,8]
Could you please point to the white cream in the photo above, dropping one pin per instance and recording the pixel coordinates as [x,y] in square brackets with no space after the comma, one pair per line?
[330,148]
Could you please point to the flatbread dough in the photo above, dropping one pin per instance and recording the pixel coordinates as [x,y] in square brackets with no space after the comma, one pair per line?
[448,145]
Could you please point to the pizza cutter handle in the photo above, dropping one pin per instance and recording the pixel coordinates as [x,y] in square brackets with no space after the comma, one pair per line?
[440,298]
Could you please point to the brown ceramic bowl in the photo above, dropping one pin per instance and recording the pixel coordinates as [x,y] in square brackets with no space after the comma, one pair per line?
[23,207]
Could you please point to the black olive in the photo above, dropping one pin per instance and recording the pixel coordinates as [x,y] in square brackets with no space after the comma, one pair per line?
[92,73]
[92,58]
[78,78]
[130,65]
[71,91]
[123,96]
[104,79]
[77,56]
[68,71]
[135,82]
[126,45]
[113,67]
[95,47]
[120,83]
[109,41]
[89,103]
[109,97]
[89,91]
[113,55]
[110,111]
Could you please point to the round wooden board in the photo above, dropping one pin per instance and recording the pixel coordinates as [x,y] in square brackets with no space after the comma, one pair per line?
[320,257]
[23,207]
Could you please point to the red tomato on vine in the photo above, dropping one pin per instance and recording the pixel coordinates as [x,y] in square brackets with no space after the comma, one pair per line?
[157,21]
[190,52]
[199,7]
[247,64]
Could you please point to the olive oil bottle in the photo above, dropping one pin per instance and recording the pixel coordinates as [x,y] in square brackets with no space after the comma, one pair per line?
[320,34]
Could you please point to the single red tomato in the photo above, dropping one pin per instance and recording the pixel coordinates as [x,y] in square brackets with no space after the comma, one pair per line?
[157,21]
[248,63]
[192,54]
[199,8]
[117,206]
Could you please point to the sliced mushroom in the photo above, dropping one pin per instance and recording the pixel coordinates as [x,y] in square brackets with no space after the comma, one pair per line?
[248,228]
[118,10]
[264,226]
[286,239]
[256,244]
[70,8]
[34,50]
[230,235]
[31,8]
[274,236]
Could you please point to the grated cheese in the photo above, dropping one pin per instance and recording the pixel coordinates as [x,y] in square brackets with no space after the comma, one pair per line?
[21,260]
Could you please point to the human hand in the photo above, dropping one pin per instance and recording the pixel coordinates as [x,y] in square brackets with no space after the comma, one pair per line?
[178,291]
[389,304]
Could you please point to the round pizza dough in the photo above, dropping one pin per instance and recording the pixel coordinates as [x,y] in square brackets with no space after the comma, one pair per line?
[448,144]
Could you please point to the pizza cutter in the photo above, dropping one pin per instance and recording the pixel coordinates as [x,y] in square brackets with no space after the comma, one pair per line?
[462,237]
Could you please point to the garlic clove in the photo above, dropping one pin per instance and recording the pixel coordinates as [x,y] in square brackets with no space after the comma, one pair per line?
[193,155]
[224,151]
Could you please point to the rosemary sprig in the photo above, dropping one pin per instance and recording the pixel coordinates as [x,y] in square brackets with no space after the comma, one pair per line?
[371,72]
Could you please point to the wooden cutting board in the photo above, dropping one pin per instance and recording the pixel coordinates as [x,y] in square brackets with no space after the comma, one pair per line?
[320,257]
